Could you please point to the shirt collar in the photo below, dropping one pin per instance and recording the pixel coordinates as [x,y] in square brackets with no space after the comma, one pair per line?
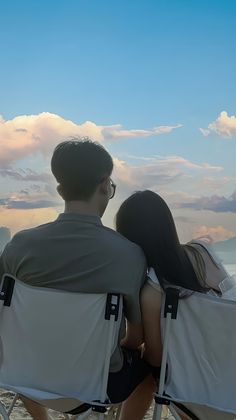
[80,217]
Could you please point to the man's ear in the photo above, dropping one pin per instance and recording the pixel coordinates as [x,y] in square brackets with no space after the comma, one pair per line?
[104,186]
[59,190]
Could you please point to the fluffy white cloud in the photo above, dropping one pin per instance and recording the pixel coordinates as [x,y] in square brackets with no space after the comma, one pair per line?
[224,126]
[28,134]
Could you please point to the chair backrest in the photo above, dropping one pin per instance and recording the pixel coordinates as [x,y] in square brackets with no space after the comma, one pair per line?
[201,352]
[54,344]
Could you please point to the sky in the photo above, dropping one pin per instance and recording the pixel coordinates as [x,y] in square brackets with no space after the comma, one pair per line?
[153,81]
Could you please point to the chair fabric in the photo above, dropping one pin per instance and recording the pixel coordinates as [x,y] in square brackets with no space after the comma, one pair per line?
[53,344]
[201,355]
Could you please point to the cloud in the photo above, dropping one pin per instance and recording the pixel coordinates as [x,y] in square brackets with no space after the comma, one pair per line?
[214,203]
[217,233]
[116,131]
[157,171]
[34,197]
[19,219]
[21,130]
[205,132]
[152,176]
[217,183]
[29,134]
[173,160]
[224,126]
[24,175]
[183,219]
[23,204]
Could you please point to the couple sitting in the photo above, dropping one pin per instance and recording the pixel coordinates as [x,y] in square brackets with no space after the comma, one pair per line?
[77,253]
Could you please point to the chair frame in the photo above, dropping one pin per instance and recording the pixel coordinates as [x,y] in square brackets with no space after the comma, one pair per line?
[113,302]
[170,313]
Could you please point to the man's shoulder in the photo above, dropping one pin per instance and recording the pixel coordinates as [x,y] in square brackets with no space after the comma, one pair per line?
[33,232]
[119,244]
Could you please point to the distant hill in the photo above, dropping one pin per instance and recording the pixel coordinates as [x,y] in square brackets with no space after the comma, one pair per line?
[226,250]
[5,236]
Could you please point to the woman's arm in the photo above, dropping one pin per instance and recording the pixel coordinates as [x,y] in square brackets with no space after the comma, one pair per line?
[134,335]
[151,314]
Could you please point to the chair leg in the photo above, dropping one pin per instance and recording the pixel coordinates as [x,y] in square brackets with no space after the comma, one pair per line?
[117,415]
[110,414]
[113,412]
[82,416]
[10,408]
[174,413]
[157,412]
[3,412]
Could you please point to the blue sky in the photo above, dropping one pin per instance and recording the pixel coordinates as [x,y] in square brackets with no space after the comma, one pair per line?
[139,64]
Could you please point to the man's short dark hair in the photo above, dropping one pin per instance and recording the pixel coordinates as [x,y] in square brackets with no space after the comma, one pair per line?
[79,166]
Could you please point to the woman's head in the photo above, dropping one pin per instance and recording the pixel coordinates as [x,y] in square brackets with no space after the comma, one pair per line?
[145,218]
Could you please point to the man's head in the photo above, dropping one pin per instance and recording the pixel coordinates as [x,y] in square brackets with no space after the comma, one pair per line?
[82,169]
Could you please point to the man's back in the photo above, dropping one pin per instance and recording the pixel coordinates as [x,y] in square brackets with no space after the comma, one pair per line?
[77,253]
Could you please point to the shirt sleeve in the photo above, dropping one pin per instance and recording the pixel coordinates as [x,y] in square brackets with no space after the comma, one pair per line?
[135,283]
[3,268]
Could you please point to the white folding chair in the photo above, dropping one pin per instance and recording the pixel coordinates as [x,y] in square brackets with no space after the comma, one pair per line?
[198,369]
[55,346]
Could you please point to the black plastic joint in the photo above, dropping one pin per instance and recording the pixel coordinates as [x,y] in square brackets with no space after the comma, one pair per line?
[6,292]
[112,306]
[171,302]
[99,409]
[161,400]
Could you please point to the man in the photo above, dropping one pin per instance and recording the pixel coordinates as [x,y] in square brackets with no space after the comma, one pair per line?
[77,253]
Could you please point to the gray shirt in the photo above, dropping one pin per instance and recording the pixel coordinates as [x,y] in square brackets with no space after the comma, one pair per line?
[77,253]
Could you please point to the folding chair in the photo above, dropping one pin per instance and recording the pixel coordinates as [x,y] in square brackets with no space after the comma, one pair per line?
[55,346]
[198,369]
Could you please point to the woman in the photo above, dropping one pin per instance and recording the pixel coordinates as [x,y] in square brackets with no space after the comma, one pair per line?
[144,218]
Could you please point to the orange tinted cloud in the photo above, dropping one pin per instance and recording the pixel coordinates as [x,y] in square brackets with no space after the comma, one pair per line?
[18,219]
[217,233]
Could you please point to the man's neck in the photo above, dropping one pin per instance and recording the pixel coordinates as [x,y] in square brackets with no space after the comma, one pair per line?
[81,207]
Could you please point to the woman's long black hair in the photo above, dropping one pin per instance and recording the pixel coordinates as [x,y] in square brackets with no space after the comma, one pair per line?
[145,218]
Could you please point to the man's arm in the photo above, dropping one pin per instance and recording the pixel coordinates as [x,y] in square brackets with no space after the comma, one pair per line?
[134,326]
[2,269]
[3,261]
